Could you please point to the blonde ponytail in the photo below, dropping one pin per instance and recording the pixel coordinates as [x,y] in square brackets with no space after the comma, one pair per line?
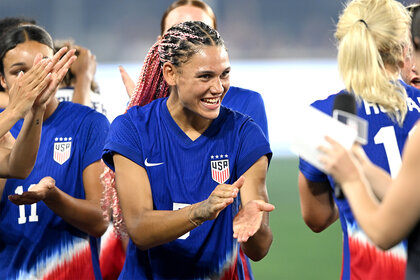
[371,36]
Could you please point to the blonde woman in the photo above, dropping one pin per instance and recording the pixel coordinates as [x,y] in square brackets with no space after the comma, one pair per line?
[398,215]
[372,36]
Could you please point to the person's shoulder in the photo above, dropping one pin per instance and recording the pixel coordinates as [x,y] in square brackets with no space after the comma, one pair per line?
[81,113]
[239,90]
[326,104]
[235,92]
[229,114]
[139,116]
[143,112]
[75,108]
[412,92]
[232,120]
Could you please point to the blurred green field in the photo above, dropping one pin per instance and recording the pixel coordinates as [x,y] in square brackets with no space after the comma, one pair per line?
[296,252]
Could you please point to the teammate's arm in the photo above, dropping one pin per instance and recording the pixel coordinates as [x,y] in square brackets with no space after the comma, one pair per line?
[148,227]
[387,223]
[317,205]
[128,82]
[84,70]
[254,207]
[85,214]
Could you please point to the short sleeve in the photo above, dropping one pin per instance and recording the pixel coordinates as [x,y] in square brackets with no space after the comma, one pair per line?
[95,128]
[254,145]
[311,173]
[123,139]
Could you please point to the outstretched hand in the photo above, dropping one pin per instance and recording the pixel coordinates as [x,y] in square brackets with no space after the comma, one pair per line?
[248,220]
[35,193]
[27,87]
[219,199]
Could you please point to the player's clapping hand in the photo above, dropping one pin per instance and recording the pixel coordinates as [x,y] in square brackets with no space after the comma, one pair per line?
[219,199]
[61,63]
[248,220]
[35,193]
[27,87]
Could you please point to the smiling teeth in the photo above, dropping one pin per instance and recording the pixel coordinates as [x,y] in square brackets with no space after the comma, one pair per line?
[211,101]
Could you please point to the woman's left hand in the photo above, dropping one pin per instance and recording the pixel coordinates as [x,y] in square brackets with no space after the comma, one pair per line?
[61,61]
[35,193]
[248,220]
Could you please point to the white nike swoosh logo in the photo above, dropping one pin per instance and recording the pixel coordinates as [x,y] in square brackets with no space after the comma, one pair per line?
[148,164]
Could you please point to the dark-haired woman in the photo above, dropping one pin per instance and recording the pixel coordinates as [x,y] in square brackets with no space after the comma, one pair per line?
[47,234]
[190,173]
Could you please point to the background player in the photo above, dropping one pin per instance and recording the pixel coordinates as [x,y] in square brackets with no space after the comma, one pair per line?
[372,36]
[49,237]
[79,85]
[178,202]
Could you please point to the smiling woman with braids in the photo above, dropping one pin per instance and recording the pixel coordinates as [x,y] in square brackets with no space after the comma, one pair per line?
[190,173]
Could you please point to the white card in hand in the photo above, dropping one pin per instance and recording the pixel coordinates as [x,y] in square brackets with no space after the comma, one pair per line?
[311,128]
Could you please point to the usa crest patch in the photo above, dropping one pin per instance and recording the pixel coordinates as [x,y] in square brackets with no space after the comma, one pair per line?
[62,149]
[220,168]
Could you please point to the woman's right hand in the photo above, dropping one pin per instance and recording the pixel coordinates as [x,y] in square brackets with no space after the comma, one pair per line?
[28,86]
[219,199]
[340,162]
[34,88]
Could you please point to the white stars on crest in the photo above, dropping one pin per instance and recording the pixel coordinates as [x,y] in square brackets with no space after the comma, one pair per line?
[219,156]
[63,139]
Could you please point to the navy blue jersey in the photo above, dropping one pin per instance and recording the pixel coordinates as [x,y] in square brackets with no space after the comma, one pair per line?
[386,139]
[35,243]
[249,103]
[183,172]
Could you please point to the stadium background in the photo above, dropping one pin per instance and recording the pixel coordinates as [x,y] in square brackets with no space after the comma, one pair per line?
[283,49]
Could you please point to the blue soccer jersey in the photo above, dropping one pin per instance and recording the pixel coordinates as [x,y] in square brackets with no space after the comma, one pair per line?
[35,243]
[247,102]
[183,172]
[361,259]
